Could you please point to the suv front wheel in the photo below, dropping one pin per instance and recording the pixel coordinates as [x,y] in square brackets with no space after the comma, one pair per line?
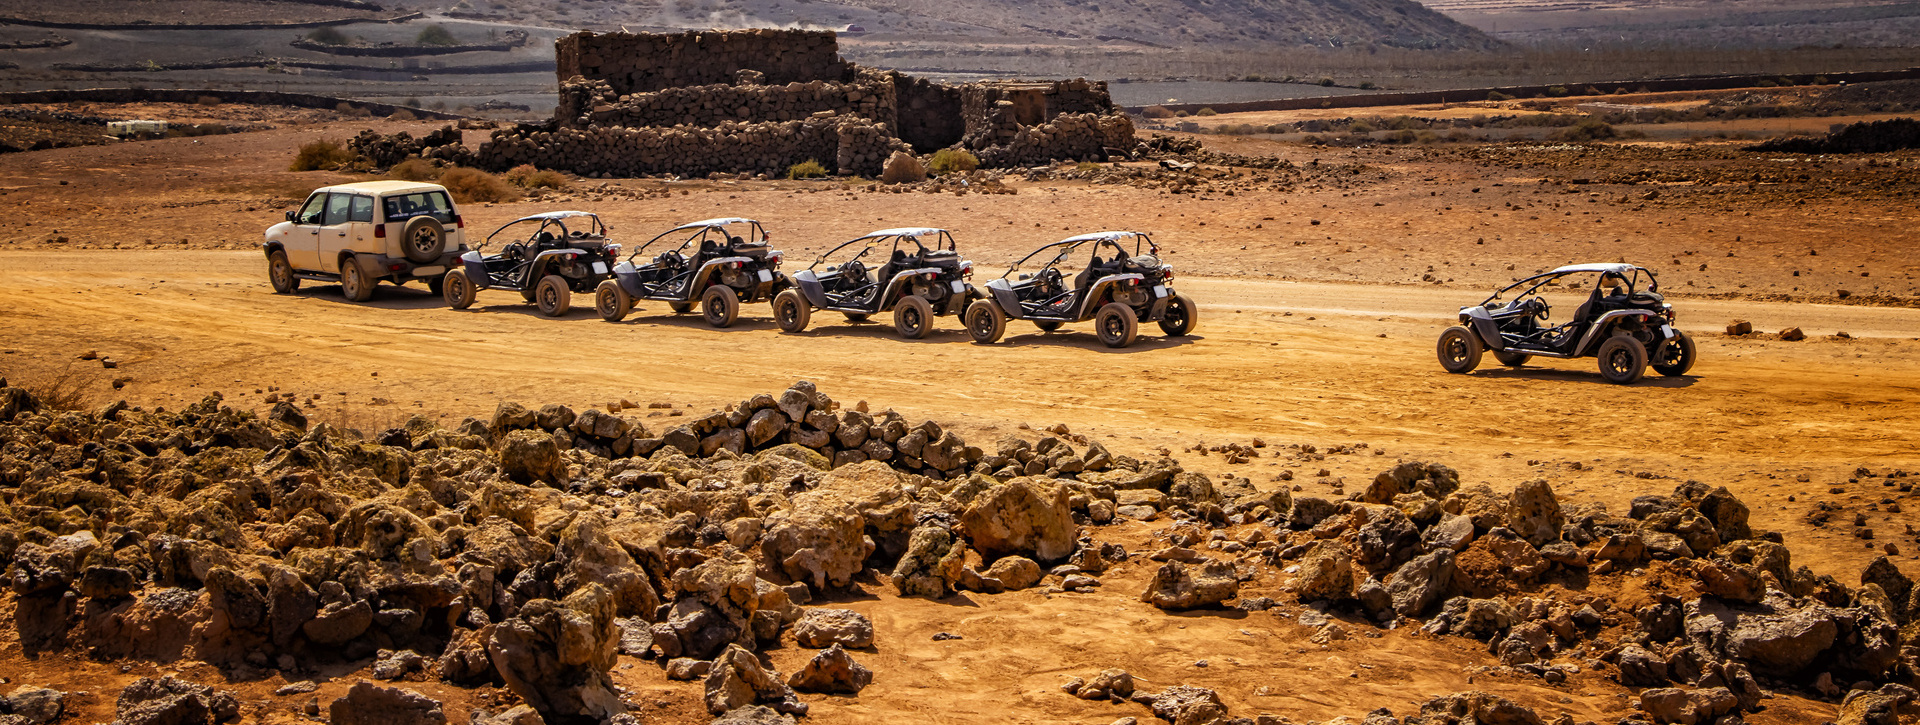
[280,273]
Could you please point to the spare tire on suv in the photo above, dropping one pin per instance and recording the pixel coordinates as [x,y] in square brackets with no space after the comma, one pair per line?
[424,239]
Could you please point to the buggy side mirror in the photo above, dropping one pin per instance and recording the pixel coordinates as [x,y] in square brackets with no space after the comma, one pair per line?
[290,214]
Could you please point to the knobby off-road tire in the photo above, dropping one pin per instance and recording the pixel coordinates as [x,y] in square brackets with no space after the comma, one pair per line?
[912,317]
[1180,317]
[1047,325]
[354,282]
[720,305]
[1117,324]
[458,290]
[791,311]
[611,301]
[1511,359]
[553,296]
[1459,350]
[280,274]
[680,308]
[1622,359]
[423,240]
[985,322]
[1675,356]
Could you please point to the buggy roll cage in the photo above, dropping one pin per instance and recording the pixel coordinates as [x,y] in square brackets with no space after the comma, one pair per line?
[875,239]
[555,219]
[755,233]
[1100,239]
[1627,272]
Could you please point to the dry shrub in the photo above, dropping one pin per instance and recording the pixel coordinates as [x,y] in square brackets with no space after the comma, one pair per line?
[351,110]
[208,100]
[64,390]
[1591,129]
[414,169]
[470,185]
[401,114]
[948,161]
[809,169]
[1157,112]
[317,155]
[1206,112]
[545,179]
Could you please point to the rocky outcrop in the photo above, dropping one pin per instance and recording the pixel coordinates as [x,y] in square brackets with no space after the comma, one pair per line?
[1024,517]
[367,704]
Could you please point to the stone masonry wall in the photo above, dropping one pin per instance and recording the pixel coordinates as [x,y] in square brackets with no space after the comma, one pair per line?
[646,62]
[585,104]
[929,115]
[840,143]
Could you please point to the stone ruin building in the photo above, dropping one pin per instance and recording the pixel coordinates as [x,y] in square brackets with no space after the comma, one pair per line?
[759,101]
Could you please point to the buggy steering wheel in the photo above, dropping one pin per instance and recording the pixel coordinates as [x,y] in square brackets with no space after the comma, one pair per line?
[1540,308]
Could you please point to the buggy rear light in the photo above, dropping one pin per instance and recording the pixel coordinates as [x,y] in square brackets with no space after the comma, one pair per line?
[380,231]
[775,256]
[966,269]
[396,267]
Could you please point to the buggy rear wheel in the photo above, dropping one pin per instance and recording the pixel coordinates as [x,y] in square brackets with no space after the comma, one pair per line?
[720,305]
[913,317]
[791,311]
[612,301]
[680,308]
[1511,359]
[1622,359]
[280,273]
[458,290]
[856,317]
[1459,350]
[1675,356]
[1117,324]
[1180,317]
[1047,325]
[553,296]
[985,323]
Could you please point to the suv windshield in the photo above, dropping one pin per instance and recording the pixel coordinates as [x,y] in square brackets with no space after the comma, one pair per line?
[402,207]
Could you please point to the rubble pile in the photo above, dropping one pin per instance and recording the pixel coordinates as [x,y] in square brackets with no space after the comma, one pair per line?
[532,549]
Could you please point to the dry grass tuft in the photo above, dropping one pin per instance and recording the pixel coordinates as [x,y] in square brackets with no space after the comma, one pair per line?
[470,185]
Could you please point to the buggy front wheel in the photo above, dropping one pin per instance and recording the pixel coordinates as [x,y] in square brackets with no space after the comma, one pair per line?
[1117,324]
[458,290]
[1674,357]
[720,305]
[553,295]
[611,301]
[791,311]
[985,323]
[1459,350]
[913,317]
[1180,317]
[1622,359]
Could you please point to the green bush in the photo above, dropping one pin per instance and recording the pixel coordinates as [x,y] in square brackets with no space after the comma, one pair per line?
[436,35]
[328,36]
[317,155]
[414,169]
[1360,126]
[1498,96]
[947,161]
[1327,82]
[809,169]
[1591,129]
[1206,112]
[1181,114]
[471,185]
[1367,85]
[1558,91]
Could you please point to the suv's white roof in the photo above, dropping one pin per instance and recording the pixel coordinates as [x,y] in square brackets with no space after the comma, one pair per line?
[1614,267]
[390,186]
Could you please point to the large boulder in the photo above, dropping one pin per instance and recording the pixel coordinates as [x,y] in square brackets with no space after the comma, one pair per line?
[737,680]
[820,628]
[935,561]
[822,540]
[1883,706]
[529,456]
[1177,586]
[1418,584]
[1476,708]
[1534,513]
[1024,516]
[1185,705]
[1326,573]
[1673,706]
[1431,479]
[168,701]
[555,655]
[35,705]
[369,704]
[832,671]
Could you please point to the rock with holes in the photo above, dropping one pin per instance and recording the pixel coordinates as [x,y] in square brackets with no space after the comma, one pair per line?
[832,671]
[368,704]
[819,628]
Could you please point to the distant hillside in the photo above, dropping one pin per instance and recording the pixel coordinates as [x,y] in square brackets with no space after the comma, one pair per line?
[1171,23]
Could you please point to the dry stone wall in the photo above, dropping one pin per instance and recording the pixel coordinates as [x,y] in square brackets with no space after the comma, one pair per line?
[929,115]
[590,103]
[1082,136]
[646,62]
[842,144]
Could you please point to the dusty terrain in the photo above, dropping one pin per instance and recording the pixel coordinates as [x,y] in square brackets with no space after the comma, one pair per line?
[1322,289]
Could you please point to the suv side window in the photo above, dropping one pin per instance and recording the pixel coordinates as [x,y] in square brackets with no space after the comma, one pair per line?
[429,203]
[362,209]
[337,209]
[313,211]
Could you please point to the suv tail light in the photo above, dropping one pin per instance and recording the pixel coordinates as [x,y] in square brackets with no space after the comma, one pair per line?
[380,231]
[459,223]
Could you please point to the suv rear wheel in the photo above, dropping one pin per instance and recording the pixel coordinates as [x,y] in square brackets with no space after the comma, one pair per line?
[280,273]
[354,282]
[553,296]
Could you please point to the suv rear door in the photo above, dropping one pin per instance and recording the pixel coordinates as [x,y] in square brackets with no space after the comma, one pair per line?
[337,231]
[302,243]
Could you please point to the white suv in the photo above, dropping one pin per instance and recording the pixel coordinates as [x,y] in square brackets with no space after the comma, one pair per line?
[359,234]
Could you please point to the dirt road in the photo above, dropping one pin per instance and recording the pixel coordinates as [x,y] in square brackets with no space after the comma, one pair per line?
[1321,364]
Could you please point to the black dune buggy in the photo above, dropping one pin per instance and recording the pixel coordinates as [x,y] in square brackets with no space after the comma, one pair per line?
[916,283]
[1117,292]
[564,252]
[712,264]
[1620,319]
